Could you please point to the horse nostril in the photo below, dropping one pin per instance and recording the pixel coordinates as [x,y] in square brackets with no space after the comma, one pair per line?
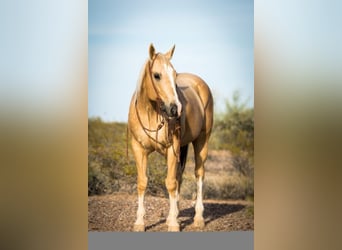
[162,107]
[173,110]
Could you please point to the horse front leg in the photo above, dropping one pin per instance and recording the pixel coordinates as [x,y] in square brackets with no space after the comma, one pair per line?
[172,187]
[140,156]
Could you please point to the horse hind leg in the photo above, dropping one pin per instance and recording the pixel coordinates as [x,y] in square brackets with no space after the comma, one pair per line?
[201,153]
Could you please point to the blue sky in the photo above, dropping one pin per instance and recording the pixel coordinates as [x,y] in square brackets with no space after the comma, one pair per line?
[214,39]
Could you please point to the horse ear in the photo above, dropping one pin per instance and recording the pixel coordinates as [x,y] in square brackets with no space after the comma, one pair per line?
[170,52]
[151,51]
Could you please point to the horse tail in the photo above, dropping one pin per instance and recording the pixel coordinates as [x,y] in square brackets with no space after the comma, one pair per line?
[183,156]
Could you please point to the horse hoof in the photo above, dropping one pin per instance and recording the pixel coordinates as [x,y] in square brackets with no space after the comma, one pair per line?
[199,223]
[139,228]
[173,229]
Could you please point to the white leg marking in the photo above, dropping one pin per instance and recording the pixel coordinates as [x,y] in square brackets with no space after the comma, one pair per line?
[199,203]
[141,211]
[198,220]
[173,213]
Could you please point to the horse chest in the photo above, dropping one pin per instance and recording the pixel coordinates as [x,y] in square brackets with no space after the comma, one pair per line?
[153,140]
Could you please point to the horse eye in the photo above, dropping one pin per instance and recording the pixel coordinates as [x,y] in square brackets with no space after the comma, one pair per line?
[156,76]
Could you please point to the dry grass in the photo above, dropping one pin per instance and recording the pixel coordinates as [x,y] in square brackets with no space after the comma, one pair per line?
[222,186]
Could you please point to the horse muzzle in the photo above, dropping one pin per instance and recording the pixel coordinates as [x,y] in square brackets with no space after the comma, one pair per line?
[173,110]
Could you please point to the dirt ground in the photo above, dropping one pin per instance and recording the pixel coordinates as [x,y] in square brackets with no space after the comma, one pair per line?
[117,212]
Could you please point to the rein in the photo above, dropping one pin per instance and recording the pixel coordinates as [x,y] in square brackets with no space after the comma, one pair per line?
[173,124]
[159,127]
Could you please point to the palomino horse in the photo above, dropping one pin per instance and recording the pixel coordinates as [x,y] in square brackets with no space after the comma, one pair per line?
[167,112]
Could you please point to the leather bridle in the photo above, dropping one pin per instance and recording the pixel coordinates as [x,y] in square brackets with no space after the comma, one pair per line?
[173,123]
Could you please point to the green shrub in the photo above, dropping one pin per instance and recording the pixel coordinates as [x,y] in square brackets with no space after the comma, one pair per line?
[108,167]
[97,182]
[234,131]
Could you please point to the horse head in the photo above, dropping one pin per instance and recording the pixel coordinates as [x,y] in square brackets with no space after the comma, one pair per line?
[163,81]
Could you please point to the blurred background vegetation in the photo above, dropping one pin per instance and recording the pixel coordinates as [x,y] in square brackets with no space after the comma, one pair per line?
[110,170]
